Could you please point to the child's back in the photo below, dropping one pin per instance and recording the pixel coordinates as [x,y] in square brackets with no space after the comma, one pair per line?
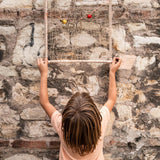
[81,126]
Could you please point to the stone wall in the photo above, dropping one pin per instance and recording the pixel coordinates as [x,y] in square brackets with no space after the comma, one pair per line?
[134,129]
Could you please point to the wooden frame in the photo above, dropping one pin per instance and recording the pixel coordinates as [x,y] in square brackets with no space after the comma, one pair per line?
[78,61]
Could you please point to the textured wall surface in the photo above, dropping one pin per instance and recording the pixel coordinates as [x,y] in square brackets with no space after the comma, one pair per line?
[134,129]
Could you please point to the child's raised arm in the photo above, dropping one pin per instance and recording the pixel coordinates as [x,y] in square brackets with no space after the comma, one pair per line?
[43,68]
[112,91]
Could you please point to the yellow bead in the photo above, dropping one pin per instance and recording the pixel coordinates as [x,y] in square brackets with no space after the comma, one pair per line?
[64,21]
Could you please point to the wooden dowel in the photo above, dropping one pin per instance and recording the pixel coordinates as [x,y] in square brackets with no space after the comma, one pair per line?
[80,61]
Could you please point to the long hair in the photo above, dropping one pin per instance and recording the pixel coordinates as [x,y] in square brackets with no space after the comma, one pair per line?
[81,124]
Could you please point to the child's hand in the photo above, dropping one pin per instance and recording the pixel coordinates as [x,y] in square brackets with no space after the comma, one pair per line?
[115,64]
[43,65]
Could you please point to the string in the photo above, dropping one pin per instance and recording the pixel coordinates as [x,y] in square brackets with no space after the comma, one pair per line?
[91,12]
[110,25]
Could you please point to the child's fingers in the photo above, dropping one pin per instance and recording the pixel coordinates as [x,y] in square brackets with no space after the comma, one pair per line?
[117,59]
[38,61]
[113,62]
[46,60]
[118,62]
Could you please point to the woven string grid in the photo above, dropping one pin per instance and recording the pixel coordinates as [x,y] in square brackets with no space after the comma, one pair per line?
[49,47]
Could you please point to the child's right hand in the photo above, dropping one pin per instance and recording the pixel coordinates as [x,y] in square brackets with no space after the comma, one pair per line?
[115,64]
[42,64]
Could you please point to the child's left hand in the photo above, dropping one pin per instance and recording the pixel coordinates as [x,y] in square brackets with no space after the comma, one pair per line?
[42,64]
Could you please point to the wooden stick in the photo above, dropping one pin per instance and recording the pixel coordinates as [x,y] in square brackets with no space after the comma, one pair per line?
[46,28]
[80,61]
[110,27]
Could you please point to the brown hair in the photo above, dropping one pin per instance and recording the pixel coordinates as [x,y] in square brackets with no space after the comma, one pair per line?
[81,124]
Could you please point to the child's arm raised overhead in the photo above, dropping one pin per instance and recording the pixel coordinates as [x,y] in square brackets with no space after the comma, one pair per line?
[43,68]
[112,91]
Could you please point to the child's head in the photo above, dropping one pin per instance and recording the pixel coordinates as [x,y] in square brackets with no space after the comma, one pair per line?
[81,123]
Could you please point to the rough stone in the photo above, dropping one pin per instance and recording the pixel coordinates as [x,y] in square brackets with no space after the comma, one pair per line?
[39,4]
[64,5]
[141,97]
[8,71]
[125,126]
[125,92]
[34,89]
[2,50]
[62,40]
[140,41]
[134,79]
[92,26]
[73,70]
[133,130]
[44,158]
[2,46]
[155,4]
[99,53]
[128,61]
[7,30]
[107,157]
[52,92]
[133,133]
[82,40]
[124,112]
[133,27]
[30,45]
[150,156]
[154,132]
[119,35]
[93,86]
[93,2]
[23,157]
[27,4]
[151,82]
[3,97]
[19,93]
[142,63]
[62,75]
[124,76]
[30,74]
[33,114]
[146,3]
[155,112]
[61,100]
[8,124]
[38,129]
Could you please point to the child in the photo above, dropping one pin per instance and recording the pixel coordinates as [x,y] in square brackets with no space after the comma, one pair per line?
[81,126]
